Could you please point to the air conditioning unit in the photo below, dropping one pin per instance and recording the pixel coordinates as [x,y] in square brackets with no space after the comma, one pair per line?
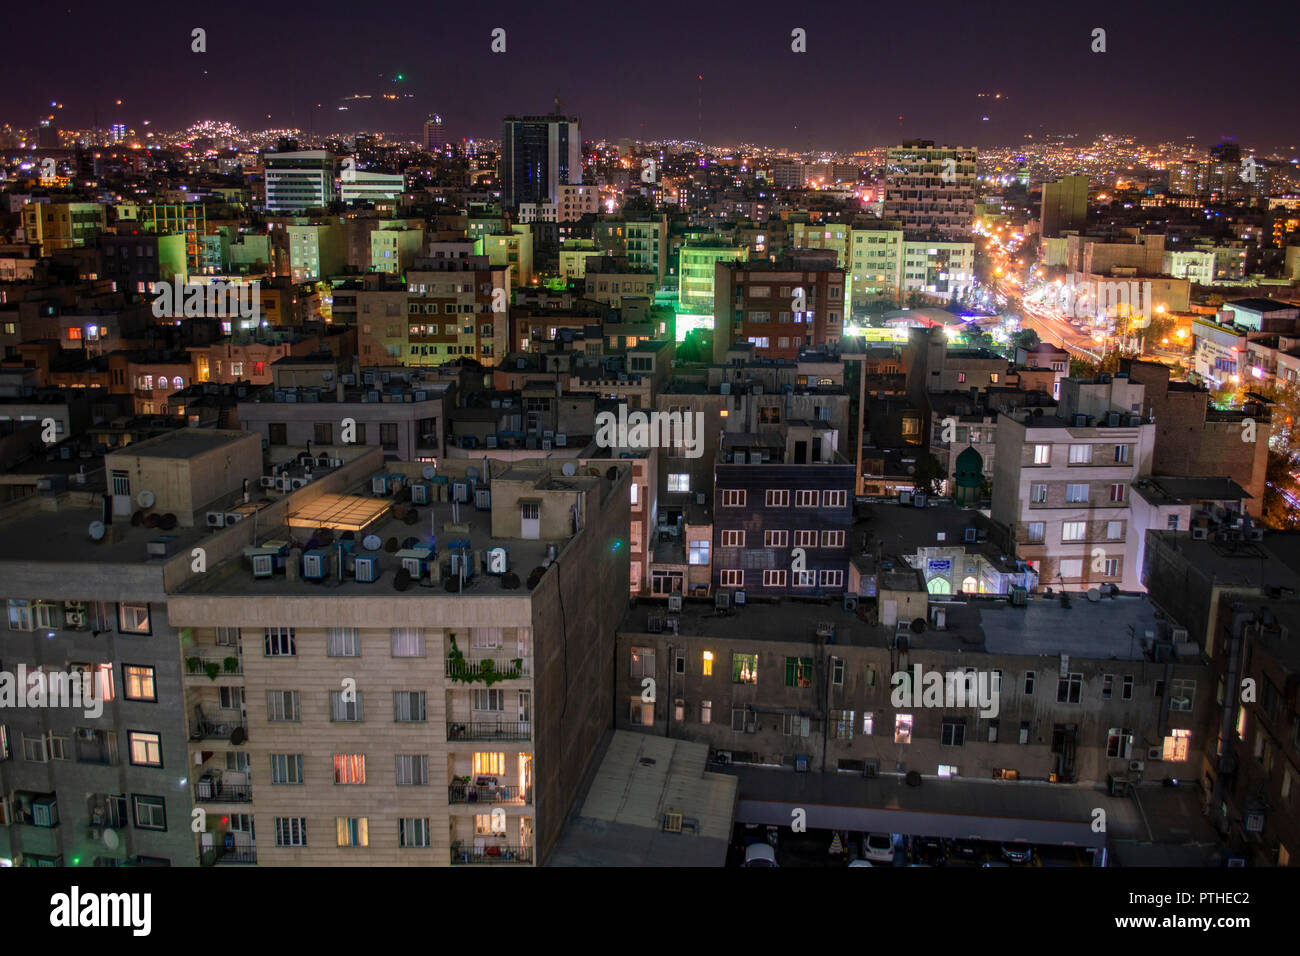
[1136,766]
[379,485]
[722,757]
[870,768]
[336,462]
[74,618]
[416,567]
[851,602]
[1200,534]
[419,494]
[263,566]
[490,441]
[314,565]
[674,603]
[92,834]
[285,483]
[322,462]
[1155,753]
[216,519]
[268,481]
[234,517]
[1179,634]
[546,444]
[366,568]
[561,440]
[482,499]
[1255,534]
[296,483]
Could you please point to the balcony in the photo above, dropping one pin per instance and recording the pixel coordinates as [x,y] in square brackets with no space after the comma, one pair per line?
[211,665]
[231,854]
[463,855]
[479,670]
[209,791]
[489,730]
[467,793]
[204,727]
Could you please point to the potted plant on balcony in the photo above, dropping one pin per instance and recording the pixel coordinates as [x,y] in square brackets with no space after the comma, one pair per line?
[212,668]
[231,665]
[193,664]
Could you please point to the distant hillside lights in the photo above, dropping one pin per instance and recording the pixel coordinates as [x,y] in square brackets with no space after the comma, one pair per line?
[640,432]
[216,299]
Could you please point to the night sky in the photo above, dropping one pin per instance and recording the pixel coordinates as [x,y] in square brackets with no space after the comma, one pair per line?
[1171,70]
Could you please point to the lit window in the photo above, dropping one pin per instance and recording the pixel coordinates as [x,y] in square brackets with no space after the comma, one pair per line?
[146,748]
[902,728]
[707,669]
[679,482]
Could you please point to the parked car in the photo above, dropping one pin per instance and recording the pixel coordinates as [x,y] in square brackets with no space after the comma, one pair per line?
[1017,852]
[994,863]
[760,854]
[878,847]
[861,863]
[929,851]
[968,851]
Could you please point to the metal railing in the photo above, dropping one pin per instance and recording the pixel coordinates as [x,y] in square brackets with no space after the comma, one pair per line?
[234,854]
[205,728]
[222,793]
[468,793]
[475,670]
[491,854]
[489,730]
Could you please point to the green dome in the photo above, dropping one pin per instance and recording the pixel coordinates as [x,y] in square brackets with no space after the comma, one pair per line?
[969,468]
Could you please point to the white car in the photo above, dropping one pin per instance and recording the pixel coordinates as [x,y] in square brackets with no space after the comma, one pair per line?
[861,863]
[878,847]
[760,854]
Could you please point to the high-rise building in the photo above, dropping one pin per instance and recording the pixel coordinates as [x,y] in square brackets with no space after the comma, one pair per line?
[435,134]
[298,180]
[538,155]
[931,189]
[1065,205]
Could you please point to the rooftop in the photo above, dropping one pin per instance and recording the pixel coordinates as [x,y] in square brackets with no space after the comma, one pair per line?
[1179,491]
[182,443]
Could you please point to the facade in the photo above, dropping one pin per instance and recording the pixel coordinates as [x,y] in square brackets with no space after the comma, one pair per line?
[299,180]
[364,185]
[696,273]
[1064,206]
[931,189]
[538,154]
[758,303]
[1062,483]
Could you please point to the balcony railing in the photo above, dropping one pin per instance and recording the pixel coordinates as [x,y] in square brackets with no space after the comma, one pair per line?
[205,728]
[205,792]
[226,665]
[467,793]
[233,854]
[489,730]
[491,854]
[477,670]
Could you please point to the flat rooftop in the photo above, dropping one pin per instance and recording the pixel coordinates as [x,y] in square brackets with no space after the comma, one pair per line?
[182,443]
[64,535]
[640,779]
[1179,491]
[358,510]
[1095,631]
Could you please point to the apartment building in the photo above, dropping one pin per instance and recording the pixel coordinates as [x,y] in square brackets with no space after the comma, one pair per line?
[418,700]
[782,506]
[780,308]
[87,572]
[611,279]
[457,305]
[931,189]
[1062,483]
[298,180]
[1237,586]
[64,225]
[1077,701]
[696,273]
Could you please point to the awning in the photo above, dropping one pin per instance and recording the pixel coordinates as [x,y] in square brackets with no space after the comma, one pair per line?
[339,513]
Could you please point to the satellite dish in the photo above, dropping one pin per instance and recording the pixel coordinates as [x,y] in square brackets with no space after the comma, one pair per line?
[145,499]
[1094,595]
[97,530]
[429,471]
[569,469]
[372,542]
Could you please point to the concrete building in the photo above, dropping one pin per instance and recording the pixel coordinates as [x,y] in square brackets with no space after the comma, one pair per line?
[931,189]
[1062,483]
[1064,206]
[696,273]
[368,186]
[299,180]
[316,251]
[457,305]
[611,279]
[779,308]
[395,250]
[538,155]
[514,681]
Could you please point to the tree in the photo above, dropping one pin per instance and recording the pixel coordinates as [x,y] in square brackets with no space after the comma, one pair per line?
[928,473]
[1026,339]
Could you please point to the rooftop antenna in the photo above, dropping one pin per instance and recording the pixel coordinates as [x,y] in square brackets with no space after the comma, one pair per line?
[559,103]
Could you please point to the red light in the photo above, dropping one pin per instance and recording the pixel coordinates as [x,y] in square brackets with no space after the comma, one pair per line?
[225,820]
